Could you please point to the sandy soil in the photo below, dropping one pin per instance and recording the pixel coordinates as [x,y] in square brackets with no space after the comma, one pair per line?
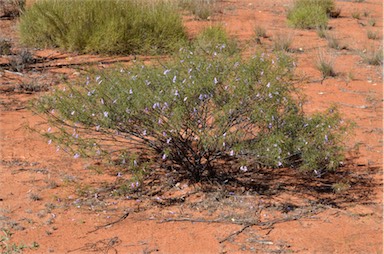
[53,203]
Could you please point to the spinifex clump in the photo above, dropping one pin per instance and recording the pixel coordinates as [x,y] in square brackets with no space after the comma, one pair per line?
[193,112]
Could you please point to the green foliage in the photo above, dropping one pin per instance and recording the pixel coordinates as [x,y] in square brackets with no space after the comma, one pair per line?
[211,37]
[6,247]
[103,26]
[195,111]
[307,14]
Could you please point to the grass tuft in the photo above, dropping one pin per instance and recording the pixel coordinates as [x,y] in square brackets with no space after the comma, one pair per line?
[325,65]
[308,14]
[103,26]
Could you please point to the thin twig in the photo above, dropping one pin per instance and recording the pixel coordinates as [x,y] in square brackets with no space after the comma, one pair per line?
[125,215]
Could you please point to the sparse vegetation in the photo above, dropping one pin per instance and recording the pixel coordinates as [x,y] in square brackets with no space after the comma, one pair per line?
[372,22]
[260,32]
[202,9]
[372,35]
[5,47]
[325,65]
[282,42]
[356,14]
[333,42]
[7,247]
[113,27]
[373,55]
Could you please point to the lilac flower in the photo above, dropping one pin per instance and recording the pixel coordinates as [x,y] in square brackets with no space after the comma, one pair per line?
[215,81]
[106,114]
[164,134]
[174,79]
[189,70]
[156,105]
[76,156]
[57,148]
[164,157]
[270,125]
[97,127]
[49,141]
[72,113]
[176,93]
[130,91]
[160,121]
[169,140]
[231,153]
[145,133]
[135,163]
[244,168]
[102,101]
[185,98]
[166,72]
[326,138]
[119,174]
[270,95]
[97,78]
[114,101]
[49,129]
[279,164]
[269,84]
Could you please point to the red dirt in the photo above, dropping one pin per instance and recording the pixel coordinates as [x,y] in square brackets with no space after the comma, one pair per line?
[45,195]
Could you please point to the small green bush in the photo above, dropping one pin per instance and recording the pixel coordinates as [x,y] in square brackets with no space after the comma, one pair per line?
[307,14]
[325,65]
[195,112]
[103,26]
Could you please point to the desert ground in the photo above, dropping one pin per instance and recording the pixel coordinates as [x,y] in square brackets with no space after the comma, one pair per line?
[53,203]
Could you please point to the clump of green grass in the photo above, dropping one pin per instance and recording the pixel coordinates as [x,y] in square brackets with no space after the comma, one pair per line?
[372,35]
[373,55]
[5,47]
[260,32]
[333,41]
[103,26]
[282,42]
[372,22]
[325,65]
[356,14]
[307,14]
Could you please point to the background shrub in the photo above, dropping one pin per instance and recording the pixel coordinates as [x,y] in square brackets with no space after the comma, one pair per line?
[306,14]
[193,113]
[103,26]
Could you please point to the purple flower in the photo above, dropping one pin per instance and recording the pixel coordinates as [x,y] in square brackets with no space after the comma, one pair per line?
[130,91]
[176,93]
[174,79]
[76,156]
[269,84]
[97,127]
[166,72]
[215,81]
[164,157]
[231,153]
[49,141]
[169,140]
[102,101]
[72,113]
[106,114]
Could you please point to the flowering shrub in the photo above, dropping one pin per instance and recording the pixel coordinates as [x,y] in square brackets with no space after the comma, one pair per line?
[195,111]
